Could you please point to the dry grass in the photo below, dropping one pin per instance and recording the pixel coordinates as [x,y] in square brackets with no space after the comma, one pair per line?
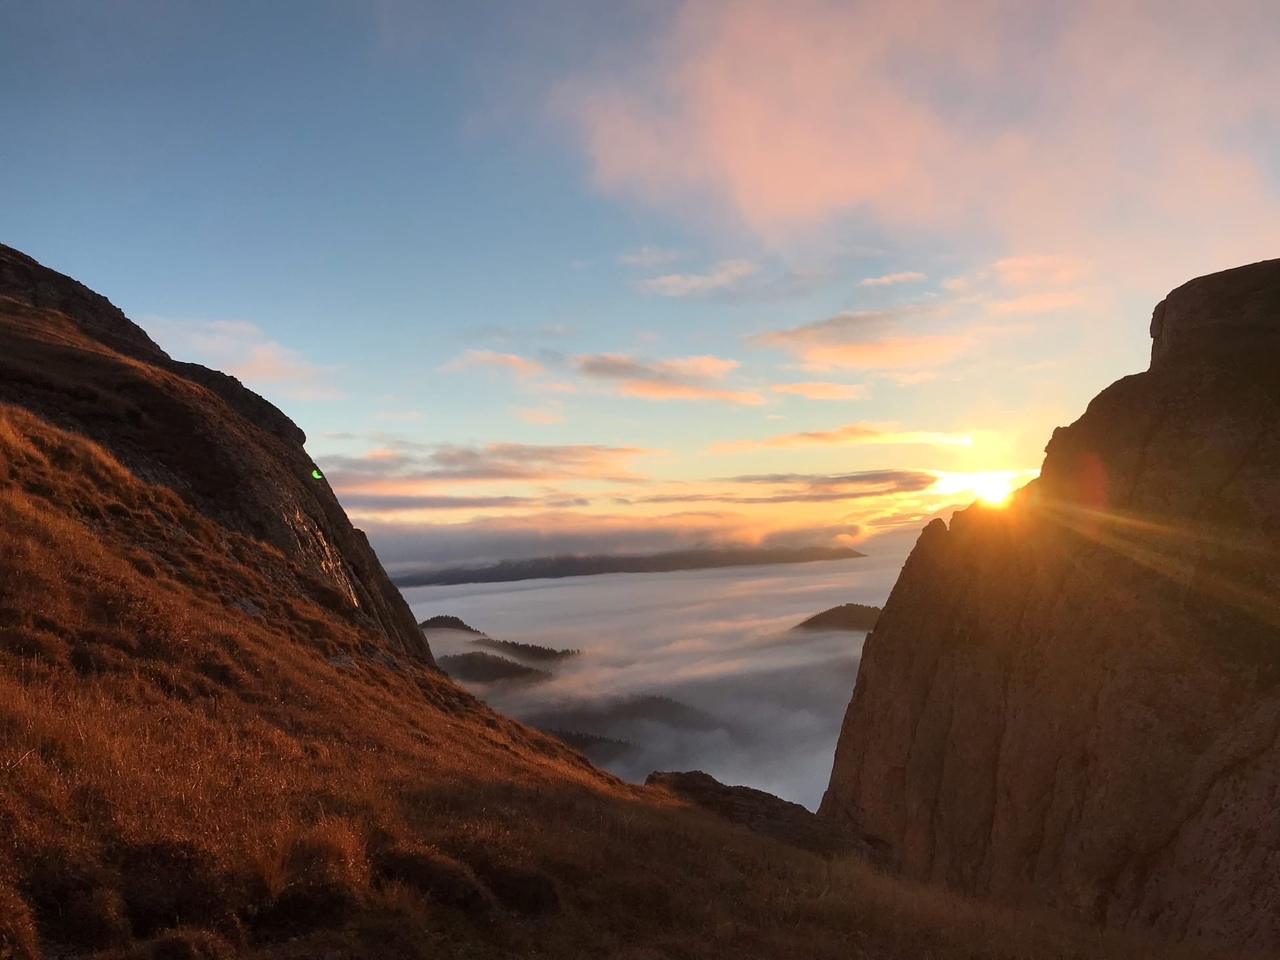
[180,778]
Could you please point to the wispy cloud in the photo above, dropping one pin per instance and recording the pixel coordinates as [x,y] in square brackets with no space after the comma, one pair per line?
[520,366]
[726,275]
[1017,123]
[682,378]
[807,488]
[404,467]
[652,257]
[869,339]
[818,390]
[537,415]
[244,350]
[847,435]
[889,279]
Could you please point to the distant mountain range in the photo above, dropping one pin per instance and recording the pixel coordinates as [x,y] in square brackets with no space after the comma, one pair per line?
[586,566]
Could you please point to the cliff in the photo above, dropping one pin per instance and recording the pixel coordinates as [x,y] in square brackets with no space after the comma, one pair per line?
[70,357]
[1074,701]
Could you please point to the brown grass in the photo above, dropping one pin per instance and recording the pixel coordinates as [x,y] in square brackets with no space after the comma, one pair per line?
[182,779]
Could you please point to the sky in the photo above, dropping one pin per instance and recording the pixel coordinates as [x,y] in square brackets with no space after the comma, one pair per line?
[559,276]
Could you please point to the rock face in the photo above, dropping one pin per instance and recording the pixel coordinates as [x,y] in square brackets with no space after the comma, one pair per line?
[71,357]
[1076,700]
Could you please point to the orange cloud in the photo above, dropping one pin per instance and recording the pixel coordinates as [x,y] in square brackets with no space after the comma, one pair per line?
[823,391]
[849,434]
[520,366]
[1049,302]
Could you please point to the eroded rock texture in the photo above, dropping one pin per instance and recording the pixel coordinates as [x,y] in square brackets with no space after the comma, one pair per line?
[70,356]
[1076,700]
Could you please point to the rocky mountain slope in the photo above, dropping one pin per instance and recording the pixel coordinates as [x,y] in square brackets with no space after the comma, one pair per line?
[71,358]
[221,734]
[1074,701]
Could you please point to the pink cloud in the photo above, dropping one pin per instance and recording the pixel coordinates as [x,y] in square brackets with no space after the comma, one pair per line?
[681,378]
[520,366]
[1121,128]
[244,350]
[888,279]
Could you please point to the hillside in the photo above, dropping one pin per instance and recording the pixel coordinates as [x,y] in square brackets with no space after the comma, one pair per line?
[1074,701]
[847,616]
[222,735]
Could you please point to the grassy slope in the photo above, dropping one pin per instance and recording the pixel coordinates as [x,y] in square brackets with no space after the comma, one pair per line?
[175,770]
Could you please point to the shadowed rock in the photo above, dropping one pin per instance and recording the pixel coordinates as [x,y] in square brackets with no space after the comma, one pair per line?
[69,356]
[1074,700]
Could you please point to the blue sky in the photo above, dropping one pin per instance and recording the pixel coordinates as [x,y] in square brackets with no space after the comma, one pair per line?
[565,275]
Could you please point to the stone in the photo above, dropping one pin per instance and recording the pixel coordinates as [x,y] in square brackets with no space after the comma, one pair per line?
[1075,700]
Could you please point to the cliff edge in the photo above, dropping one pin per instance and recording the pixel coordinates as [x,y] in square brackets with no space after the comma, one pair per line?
[1075,700]
[73,359]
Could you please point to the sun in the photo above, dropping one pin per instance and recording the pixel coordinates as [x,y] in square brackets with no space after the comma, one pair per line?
[993,490]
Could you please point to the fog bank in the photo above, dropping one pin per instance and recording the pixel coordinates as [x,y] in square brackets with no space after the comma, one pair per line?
[754,704]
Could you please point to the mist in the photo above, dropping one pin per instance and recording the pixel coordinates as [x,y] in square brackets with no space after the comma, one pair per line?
[753,703]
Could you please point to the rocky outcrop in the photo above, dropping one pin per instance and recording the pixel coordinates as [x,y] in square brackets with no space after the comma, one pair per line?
[1076,700]
[763,813]
[71,357]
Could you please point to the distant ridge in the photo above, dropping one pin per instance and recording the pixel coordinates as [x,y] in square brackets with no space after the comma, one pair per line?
[590,565]
[446,622]
[847,616]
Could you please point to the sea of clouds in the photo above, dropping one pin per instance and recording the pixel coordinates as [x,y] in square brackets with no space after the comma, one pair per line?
[754,704]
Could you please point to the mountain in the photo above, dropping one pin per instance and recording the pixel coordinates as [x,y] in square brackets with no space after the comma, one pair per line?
[222,735]
[847,616]
[1075,701]
[586,566]
[237,464]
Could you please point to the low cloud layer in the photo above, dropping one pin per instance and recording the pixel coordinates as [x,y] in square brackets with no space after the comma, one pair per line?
[760,707]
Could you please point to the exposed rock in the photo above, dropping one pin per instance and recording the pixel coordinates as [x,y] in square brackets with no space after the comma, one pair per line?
[763,813]
[72,358]
[1074,700]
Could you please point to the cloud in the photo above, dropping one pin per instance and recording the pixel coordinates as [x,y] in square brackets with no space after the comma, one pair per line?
[891,278]
[809,488]
[403,467]
[816,390]
[651,257]
[682,378]
[537,415]
[1031,124]
[867,339]
[1049,302]
[399,502]
[1042,270]
[244,350]
[726,274]
[849,434]
[520,366]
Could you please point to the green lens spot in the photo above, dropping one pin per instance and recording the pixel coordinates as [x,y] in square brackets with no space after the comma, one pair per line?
[317,474]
